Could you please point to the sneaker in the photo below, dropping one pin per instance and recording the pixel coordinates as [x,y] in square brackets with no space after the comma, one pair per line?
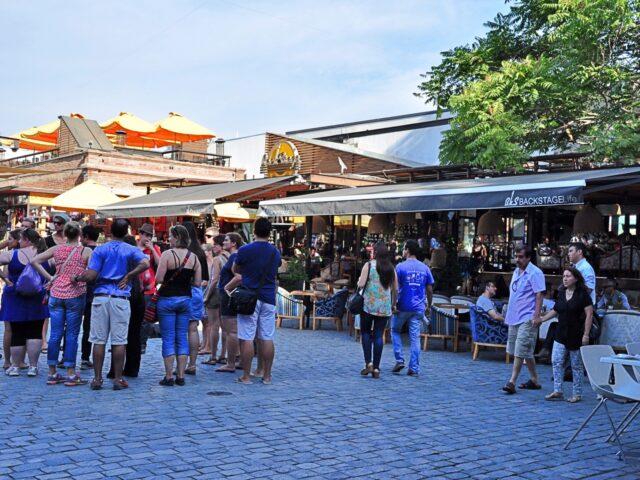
[411,373]
[120,384]
[32,372]
[398,367]
[13,371]
[86,365]
[74,380]
[54,379]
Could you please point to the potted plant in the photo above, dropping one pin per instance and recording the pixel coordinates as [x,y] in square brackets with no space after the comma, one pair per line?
[295,276]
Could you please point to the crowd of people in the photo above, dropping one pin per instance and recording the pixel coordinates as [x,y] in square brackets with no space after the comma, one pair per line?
[104,290]
[59,284]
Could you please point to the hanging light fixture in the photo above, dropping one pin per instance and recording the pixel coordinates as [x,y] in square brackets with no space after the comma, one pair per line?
[491,223]
[379,225]
[588,220]
[406,218]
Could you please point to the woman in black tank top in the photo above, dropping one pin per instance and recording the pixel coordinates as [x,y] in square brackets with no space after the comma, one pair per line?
[178,271]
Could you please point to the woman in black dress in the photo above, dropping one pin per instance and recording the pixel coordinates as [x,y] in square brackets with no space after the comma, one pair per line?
[575,314]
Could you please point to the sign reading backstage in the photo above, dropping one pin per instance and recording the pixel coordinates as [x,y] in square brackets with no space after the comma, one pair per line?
[536,199]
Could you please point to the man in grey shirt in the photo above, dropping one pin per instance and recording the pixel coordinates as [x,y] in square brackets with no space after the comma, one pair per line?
[485,303]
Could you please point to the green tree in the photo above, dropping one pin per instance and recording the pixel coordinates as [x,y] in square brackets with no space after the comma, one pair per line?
[548,76]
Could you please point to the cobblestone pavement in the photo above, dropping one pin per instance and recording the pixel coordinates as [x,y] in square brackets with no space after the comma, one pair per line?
[319,419]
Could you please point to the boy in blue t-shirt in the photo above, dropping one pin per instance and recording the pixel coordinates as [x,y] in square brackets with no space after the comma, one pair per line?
[415,281]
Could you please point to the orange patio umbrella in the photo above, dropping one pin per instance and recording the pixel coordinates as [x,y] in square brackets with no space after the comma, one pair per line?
[28,144]
[46,133]
[136,130]
[178,129]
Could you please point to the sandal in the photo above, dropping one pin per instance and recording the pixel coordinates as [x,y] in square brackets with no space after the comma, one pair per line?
[190,370]
[554,396]
[226,370]
[166,382]
[96,384]
[120,384]
[242,382]
[204,352]
[574,399]
[510,388]
[530,385]
[209,362]
[367,370]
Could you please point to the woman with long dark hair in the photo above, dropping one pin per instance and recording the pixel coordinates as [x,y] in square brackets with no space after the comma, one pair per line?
[379,276]
[575,315]
[197,300]
[25,313]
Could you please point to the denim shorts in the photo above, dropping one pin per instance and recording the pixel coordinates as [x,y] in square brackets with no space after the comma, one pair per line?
[198,311]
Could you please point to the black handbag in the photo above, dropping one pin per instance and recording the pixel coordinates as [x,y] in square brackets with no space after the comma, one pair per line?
[355,303]
[243,300]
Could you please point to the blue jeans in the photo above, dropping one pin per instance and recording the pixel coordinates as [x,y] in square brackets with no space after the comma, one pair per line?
[379,324]
[174,314]
[415,324]
[66,318]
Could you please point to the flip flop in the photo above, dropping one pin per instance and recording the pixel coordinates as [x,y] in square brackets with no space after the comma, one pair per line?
[266,382]
[209,362]
[241,382]
[530,385]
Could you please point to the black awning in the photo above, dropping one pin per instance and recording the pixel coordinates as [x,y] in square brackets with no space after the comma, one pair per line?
[521,191]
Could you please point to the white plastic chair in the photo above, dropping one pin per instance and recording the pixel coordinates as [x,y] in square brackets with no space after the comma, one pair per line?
[633,348]
[622,391]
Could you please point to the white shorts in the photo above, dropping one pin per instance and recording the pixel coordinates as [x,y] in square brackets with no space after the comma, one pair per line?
[262,321]
[110,316]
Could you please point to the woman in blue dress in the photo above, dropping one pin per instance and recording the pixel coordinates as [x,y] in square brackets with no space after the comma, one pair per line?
[11,243]
[25,314]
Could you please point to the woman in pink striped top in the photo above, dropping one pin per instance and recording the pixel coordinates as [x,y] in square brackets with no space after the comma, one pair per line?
[66,302]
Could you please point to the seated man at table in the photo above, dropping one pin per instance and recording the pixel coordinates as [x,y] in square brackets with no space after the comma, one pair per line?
[485,303]
[612,299]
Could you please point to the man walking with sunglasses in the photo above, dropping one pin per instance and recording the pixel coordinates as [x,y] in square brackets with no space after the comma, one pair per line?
[525,305]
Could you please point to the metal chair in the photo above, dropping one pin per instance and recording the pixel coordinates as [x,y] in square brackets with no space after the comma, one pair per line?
[288,307]
[599,376]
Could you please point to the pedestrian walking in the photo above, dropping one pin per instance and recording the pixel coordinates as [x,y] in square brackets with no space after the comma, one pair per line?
[197,300]
[25,314]
[179,270]
[110,267]
[380,283]
[523,313]
[226,283]
[574,310]
[258,264]
[66,302]
[415,295]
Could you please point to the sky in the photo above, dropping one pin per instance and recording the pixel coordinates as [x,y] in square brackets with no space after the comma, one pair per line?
[237,67]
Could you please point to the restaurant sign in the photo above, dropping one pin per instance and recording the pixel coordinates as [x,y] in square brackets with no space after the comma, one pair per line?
[537,199]
[283,160]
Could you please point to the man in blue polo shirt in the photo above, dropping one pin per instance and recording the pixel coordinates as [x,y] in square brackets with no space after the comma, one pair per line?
[414,280]
[110,267]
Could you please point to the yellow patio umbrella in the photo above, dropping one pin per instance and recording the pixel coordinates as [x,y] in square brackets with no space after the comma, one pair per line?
[234,212]
[176,128]
[47,132]
[136,129]
[85,198]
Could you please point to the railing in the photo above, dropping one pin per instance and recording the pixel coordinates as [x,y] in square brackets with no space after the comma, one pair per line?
[30,158]
[197,157]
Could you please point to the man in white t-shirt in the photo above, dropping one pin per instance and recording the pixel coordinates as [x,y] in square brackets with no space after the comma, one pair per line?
[576,256]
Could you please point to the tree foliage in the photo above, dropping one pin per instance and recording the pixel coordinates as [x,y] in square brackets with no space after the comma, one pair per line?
[548,76]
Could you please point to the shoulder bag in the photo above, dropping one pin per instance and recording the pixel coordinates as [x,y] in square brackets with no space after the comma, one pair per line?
[355,303]
[151,310]
[29,283]
[243,300]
